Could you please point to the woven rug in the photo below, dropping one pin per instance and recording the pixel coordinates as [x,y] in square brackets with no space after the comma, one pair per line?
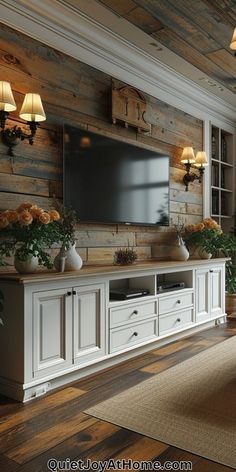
[191,406]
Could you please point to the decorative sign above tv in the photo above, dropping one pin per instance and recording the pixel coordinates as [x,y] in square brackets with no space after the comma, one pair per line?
[110,181]
[129,107]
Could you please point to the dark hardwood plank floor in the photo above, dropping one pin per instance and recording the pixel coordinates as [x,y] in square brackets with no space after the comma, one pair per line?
[56,427]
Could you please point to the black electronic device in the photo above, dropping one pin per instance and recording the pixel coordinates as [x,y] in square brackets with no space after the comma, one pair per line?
[111,181]
[171,286]
[127,293]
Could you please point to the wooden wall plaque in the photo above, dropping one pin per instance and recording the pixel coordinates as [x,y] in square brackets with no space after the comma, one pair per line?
[129,107]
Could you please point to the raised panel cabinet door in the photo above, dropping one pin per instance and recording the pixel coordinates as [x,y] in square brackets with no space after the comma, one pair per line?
[88,323]
[52,331]
[202,295]
[217,291]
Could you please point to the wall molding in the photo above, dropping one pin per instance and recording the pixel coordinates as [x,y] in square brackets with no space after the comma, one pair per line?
[74,33]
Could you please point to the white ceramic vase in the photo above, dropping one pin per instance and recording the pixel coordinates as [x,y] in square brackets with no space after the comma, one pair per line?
[29,266]
[179,252]
[68,259]
[198,252]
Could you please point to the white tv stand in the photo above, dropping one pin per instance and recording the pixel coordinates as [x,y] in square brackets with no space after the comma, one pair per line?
[59,327]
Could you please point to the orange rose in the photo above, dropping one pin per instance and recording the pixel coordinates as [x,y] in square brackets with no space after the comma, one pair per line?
[36,211]
[54,215]
[24,206]
[44,218]
[3,221]
[210,223]
[11,215]
[25,218]
[199,227]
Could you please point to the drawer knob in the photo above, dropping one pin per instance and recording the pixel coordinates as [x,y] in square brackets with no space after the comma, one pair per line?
[211,270]
[178,319]
[74,292]
[135,312]
[69,294]
[135,333]
[178,301]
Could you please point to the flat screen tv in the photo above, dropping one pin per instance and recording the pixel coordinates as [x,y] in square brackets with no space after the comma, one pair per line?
[110,181]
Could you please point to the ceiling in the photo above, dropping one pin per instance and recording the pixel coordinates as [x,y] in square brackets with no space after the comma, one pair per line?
[199,31]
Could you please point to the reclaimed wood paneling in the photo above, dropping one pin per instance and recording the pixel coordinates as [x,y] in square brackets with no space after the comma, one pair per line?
[80,96]
[203,62]
[199,31]
[144,20]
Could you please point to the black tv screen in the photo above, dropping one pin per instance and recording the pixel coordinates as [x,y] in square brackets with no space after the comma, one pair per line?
[110,181]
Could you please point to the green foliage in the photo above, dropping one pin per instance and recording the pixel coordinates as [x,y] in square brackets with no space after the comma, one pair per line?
[67,224]
[125,256]
[207,239]
[24,240]
[209,236]
[228,248]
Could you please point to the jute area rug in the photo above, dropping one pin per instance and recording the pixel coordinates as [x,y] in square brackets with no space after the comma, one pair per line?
[191,406]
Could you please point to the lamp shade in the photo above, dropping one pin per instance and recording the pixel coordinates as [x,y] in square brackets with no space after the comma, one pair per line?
[188,156]
[7,102]
[32,108]
[233,41]
[201,159]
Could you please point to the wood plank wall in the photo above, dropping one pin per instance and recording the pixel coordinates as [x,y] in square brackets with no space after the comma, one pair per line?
[77,94]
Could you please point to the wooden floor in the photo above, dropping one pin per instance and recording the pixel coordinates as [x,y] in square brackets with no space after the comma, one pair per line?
[56,427]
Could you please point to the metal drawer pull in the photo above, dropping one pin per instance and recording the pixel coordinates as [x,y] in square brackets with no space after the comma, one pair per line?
[178,319]
[211,270]
[69,294]
[135,333]
[135,312]
[178,301]
[74,292]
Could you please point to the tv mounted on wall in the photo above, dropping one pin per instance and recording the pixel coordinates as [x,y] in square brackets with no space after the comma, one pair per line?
[110,181]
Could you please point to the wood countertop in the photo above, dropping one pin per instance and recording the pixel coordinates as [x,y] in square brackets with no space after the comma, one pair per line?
[100,270]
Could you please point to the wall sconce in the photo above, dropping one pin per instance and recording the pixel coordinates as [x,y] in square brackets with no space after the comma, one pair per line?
[200,162]
[233,42]
[32,111]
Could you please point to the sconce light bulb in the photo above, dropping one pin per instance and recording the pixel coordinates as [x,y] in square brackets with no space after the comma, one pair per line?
[201,159]
[188,156]
[7,102]
[233,41]
[32,108]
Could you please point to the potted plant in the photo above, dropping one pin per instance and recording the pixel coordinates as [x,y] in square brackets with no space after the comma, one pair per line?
[27,233]
[204,239]
[67,258]
[229,250]
[125,256]
[179,252]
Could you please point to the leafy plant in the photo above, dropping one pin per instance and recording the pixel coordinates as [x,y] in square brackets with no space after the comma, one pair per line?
[228,248]
[125,256]
[206,235]
[67,224]
[28,231]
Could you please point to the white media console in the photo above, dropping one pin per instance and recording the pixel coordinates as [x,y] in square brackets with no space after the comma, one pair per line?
[59,327]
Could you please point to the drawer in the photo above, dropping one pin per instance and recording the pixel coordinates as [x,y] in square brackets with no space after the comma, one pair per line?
[121,338]
[133,312]
[175,302]
[175,321]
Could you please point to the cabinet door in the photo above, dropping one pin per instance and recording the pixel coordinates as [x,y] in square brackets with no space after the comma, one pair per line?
[52,331]
[202,295]
[216,291]
[89,323]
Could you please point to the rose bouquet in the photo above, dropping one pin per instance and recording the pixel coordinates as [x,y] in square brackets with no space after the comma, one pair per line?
[206,235]
[28,231]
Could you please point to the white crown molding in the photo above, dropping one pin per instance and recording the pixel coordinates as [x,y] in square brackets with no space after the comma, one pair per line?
[71,31]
